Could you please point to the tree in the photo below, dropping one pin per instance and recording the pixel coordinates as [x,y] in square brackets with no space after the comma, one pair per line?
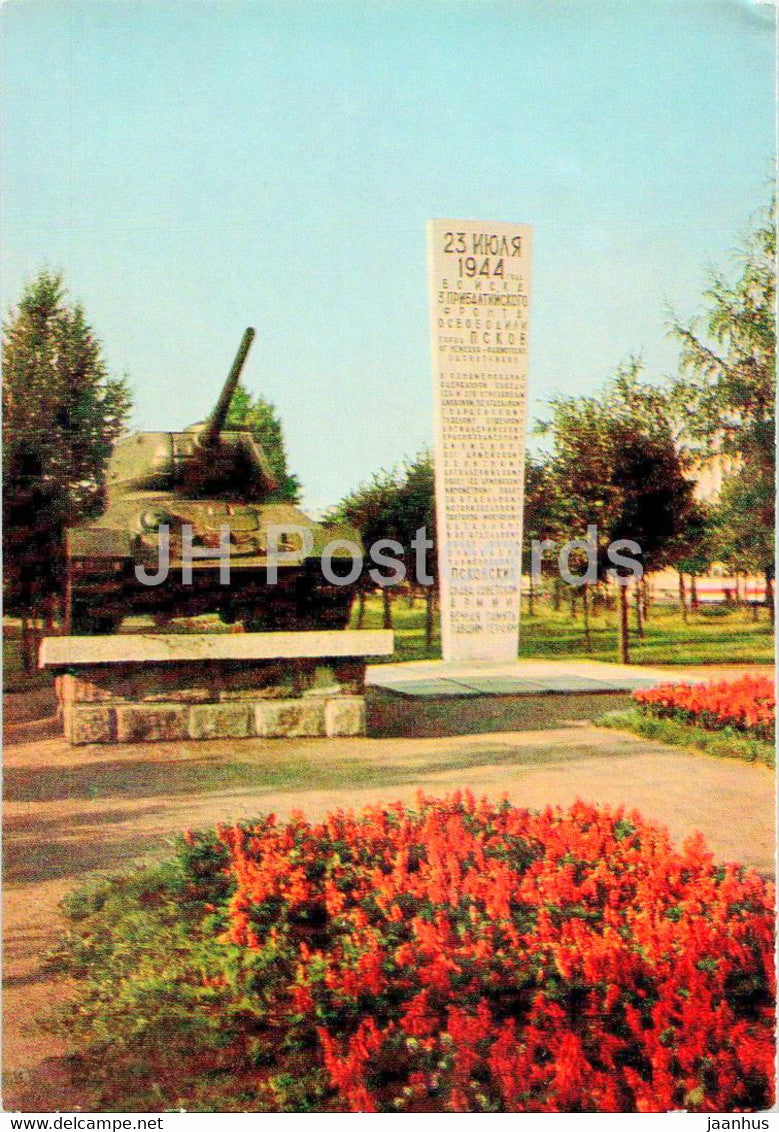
[725,392]
[370,508]
[659,510]
[395,505]
[696,547]
[744,525]
[62,413]
[726,386]
[540,520]
[616,465]
[414,505]
[261,417]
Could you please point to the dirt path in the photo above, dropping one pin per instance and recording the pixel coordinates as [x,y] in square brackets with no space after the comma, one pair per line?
[73,811]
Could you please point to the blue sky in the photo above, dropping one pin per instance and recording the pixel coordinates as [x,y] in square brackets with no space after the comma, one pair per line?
[194,168]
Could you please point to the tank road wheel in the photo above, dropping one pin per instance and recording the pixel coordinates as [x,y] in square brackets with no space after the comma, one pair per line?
[228,614]
[273,618]
[86,621]
[297,610]
[330,607]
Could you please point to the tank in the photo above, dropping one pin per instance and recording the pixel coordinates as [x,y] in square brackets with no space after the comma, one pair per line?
[180,486]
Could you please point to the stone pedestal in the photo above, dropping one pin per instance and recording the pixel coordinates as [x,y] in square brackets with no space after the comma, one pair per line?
[157,688]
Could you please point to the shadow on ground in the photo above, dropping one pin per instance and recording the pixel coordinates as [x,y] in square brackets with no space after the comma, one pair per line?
[270,766]
[391,714]
[69,848]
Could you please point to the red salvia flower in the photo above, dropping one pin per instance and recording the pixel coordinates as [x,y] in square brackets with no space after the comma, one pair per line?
[465,956]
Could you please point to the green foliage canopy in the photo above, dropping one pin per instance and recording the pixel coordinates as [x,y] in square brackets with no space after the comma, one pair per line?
[725,395]
[615,463]
[62,413]
[396,504]
[261,417]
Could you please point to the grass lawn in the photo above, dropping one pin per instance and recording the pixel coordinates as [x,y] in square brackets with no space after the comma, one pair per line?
[710,636]
[728,743]
[15,679]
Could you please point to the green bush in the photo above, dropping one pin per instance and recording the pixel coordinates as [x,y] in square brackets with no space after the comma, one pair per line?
[727,743]
[142,946]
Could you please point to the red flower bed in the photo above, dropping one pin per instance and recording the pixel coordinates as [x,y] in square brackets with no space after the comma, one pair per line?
[466,956]
[747,704]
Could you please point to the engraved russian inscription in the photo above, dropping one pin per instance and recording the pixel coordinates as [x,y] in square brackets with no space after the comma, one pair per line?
[479,315]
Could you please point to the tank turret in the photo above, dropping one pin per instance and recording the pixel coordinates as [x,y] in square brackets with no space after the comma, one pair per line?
[187,486]
[204,458]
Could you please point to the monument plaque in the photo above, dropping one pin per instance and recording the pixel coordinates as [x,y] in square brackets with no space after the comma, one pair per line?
[479,314]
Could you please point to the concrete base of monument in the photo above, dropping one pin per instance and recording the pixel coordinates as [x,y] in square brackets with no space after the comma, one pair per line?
[145,688]
[433,679]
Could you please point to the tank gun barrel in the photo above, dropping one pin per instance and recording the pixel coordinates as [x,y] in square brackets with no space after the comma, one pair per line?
[215,422]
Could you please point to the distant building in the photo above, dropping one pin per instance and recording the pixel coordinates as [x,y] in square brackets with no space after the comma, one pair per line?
[710,475]
[719,585]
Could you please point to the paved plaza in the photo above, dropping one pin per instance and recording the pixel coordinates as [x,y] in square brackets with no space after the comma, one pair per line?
[431,679]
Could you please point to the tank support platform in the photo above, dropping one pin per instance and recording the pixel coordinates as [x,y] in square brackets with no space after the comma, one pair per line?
[145,688]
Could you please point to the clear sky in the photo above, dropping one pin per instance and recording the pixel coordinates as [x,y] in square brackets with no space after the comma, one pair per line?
[194,168]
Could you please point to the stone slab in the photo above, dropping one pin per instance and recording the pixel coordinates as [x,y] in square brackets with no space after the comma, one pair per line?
[290,719]
[304,717]
[345,716]
[503,685]
[151,723]
[90,724]
[427,687]
[139,648]
[433,679]
[220,721]
[118,690]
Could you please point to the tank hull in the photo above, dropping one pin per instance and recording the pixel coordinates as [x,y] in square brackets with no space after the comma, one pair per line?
[108,559]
